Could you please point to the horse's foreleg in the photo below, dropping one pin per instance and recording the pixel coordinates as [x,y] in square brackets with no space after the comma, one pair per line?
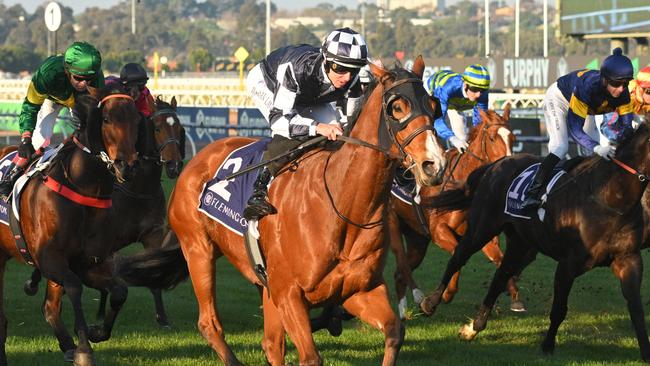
[512,263]
[52,313]
[416,249]
[402,270]
[201,265]
[295,318]
[446,238]
[629,270]
[373,307]
[493,252]
[154,239]
[564,277]
[101,309]
[31,285]
[273,342]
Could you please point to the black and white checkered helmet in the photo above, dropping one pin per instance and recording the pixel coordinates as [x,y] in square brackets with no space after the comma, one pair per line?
[346,48]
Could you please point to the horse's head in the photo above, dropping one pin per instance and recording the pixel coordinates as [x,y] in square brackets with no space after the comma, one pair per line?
[407,118]
[492,139]
[110,127]
[169,136]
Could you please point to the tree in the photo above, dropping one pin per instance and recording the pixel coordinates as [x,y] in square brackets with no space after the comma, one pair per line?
[200,59]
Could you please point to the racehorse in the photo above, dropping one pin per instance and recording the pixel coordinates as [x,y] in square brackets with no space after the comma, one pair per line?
[326,245]
[76,188]
[593,218]
[139,207]
[488,141]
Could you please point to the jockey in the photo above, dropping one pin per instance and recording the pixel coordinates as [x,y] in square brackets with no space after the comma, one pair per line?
[457,93]
[570,100]
[134,77]
[304,91]
[54,86]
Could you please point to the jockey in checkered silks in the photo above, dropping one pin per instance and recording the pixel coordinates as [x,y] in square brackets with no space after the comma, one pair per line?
[304,91]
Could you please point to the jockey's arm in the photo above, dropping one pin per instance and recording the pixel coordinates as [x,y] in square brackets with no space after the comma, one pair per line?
[439,124]
[29,110]
[576,116]
[284,117]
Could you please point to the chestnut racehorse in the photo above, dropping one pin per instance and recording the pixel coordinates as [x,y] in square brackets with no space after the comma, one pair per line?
[593,218]
[69,241]
[326,245]
[488,141]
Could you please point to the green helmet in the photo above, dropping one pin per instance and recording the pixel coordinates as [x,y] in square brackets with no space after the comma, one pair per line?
[478,76]
[82,58]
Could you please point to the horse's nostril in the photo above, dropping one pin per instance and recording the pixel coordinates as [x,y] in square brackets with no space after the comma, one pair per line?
[429,168]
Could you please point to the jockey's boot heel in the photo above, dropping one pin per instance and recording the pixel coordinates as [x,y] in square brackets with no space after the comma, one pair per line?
[8,181]
[536,189]
[258,206]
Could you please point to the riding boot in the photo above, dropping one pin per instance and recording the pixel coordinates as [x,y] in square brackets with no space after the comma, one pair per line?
[536,189]
[258,206]
[8,181]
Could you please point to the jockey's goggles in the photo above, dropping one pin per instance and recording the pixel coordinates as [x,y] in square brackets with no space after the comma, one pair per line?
[618,83]
[80,78]
[475,89]
[646,91]
[341,70]
[136,84]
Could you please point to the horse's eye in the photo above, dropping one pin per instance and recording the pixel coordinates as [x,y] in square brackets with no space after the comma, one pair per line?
[397,108]
[157,129]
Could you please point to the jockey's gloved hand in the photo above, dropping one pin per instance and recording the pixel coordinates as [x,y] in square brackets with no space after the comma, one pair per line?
[605,151]
[26,149]
[459,144]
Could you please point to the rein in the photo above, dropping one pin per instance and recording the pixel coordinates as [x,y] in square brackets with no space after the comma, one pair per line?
[642,177]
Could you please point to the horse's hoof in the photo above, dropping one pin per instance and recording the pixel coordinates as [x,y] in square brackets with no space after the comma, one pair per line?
[30,288]
[418,296]
[427,306]
[84,359]
[335,326]
[68,356]
[517,306]
[467,332]
[96,334]
[163,322]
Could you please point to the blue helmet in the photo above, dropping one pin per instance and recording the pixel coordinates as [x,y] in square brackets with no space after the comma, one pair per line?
[617,67]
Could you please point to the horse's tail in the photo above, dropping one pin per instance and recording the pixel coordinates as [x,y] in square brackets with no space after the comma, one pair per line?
[159,268]
[457,199]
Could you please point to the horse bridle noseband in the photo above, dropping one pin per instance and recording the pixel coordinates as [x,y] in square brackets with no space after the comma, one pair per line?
[159,159]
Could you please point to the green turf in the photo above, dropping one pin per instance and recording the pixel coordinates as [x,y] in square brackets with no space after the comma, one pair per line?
[597,330]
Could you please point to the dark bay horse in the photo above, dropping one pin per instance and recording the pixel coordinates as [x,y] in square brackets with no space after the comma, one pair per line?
[139,208]
[326,244]
[84,171]
[488,141]
[594,218]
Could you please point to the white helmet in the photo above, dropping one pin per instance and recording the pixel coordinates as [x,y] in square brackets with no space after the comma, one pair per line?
[346,48]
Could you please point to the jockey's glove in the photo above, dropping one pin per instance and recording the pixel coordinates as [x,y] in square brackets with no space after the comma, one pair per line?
[26,149]
[605,151]
[459,144]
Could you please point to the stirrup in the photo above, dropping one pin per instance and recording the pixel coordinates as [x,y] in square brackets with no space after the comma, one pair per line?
[531,202]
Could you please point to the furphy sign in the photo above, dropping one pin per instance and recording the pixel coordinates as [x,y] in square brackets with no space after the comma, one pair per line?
[522,72]
[525,72]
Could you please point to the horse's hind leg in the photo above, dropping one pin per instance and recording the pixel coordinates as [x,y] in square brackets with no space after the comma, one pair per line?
[52,313]
[482,226]
[201,265]
[513,261]
[629,271]
[274,335]
[493,252]
[373,307]
[564,277]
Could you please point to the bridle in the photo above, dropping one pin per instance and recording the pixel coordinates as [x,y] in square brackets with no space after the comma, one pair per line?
[171,140]
[484,137]
[392,127]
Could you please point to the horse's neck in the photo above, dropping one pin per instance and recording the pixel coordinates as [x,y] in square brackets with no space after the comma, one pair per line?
[86,173]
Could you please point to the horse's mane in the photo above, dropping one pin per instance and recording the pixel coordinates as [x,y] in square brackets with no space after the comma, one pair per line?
[491,114]
[637,137]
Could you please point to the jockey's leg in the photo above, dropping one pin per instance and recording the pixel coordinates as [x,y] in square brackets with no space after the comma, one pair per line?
[45,122]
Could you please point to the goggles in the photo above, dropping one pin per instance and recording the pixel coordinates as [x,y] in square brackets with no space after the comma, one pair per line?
[341,70]
[80,78]
[476,89]
[618,83]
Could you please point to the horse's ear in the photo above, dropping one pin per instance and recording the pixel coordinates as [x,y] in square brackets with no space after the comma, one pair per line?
[377,70]
[418,67]
[173,102]
[506,113]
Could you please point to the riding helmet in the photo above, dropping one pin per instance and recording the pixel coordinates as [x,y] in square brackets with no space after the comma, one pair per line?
[617,67]
[346,48]
[133,72]
[83,59]
[477,76]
